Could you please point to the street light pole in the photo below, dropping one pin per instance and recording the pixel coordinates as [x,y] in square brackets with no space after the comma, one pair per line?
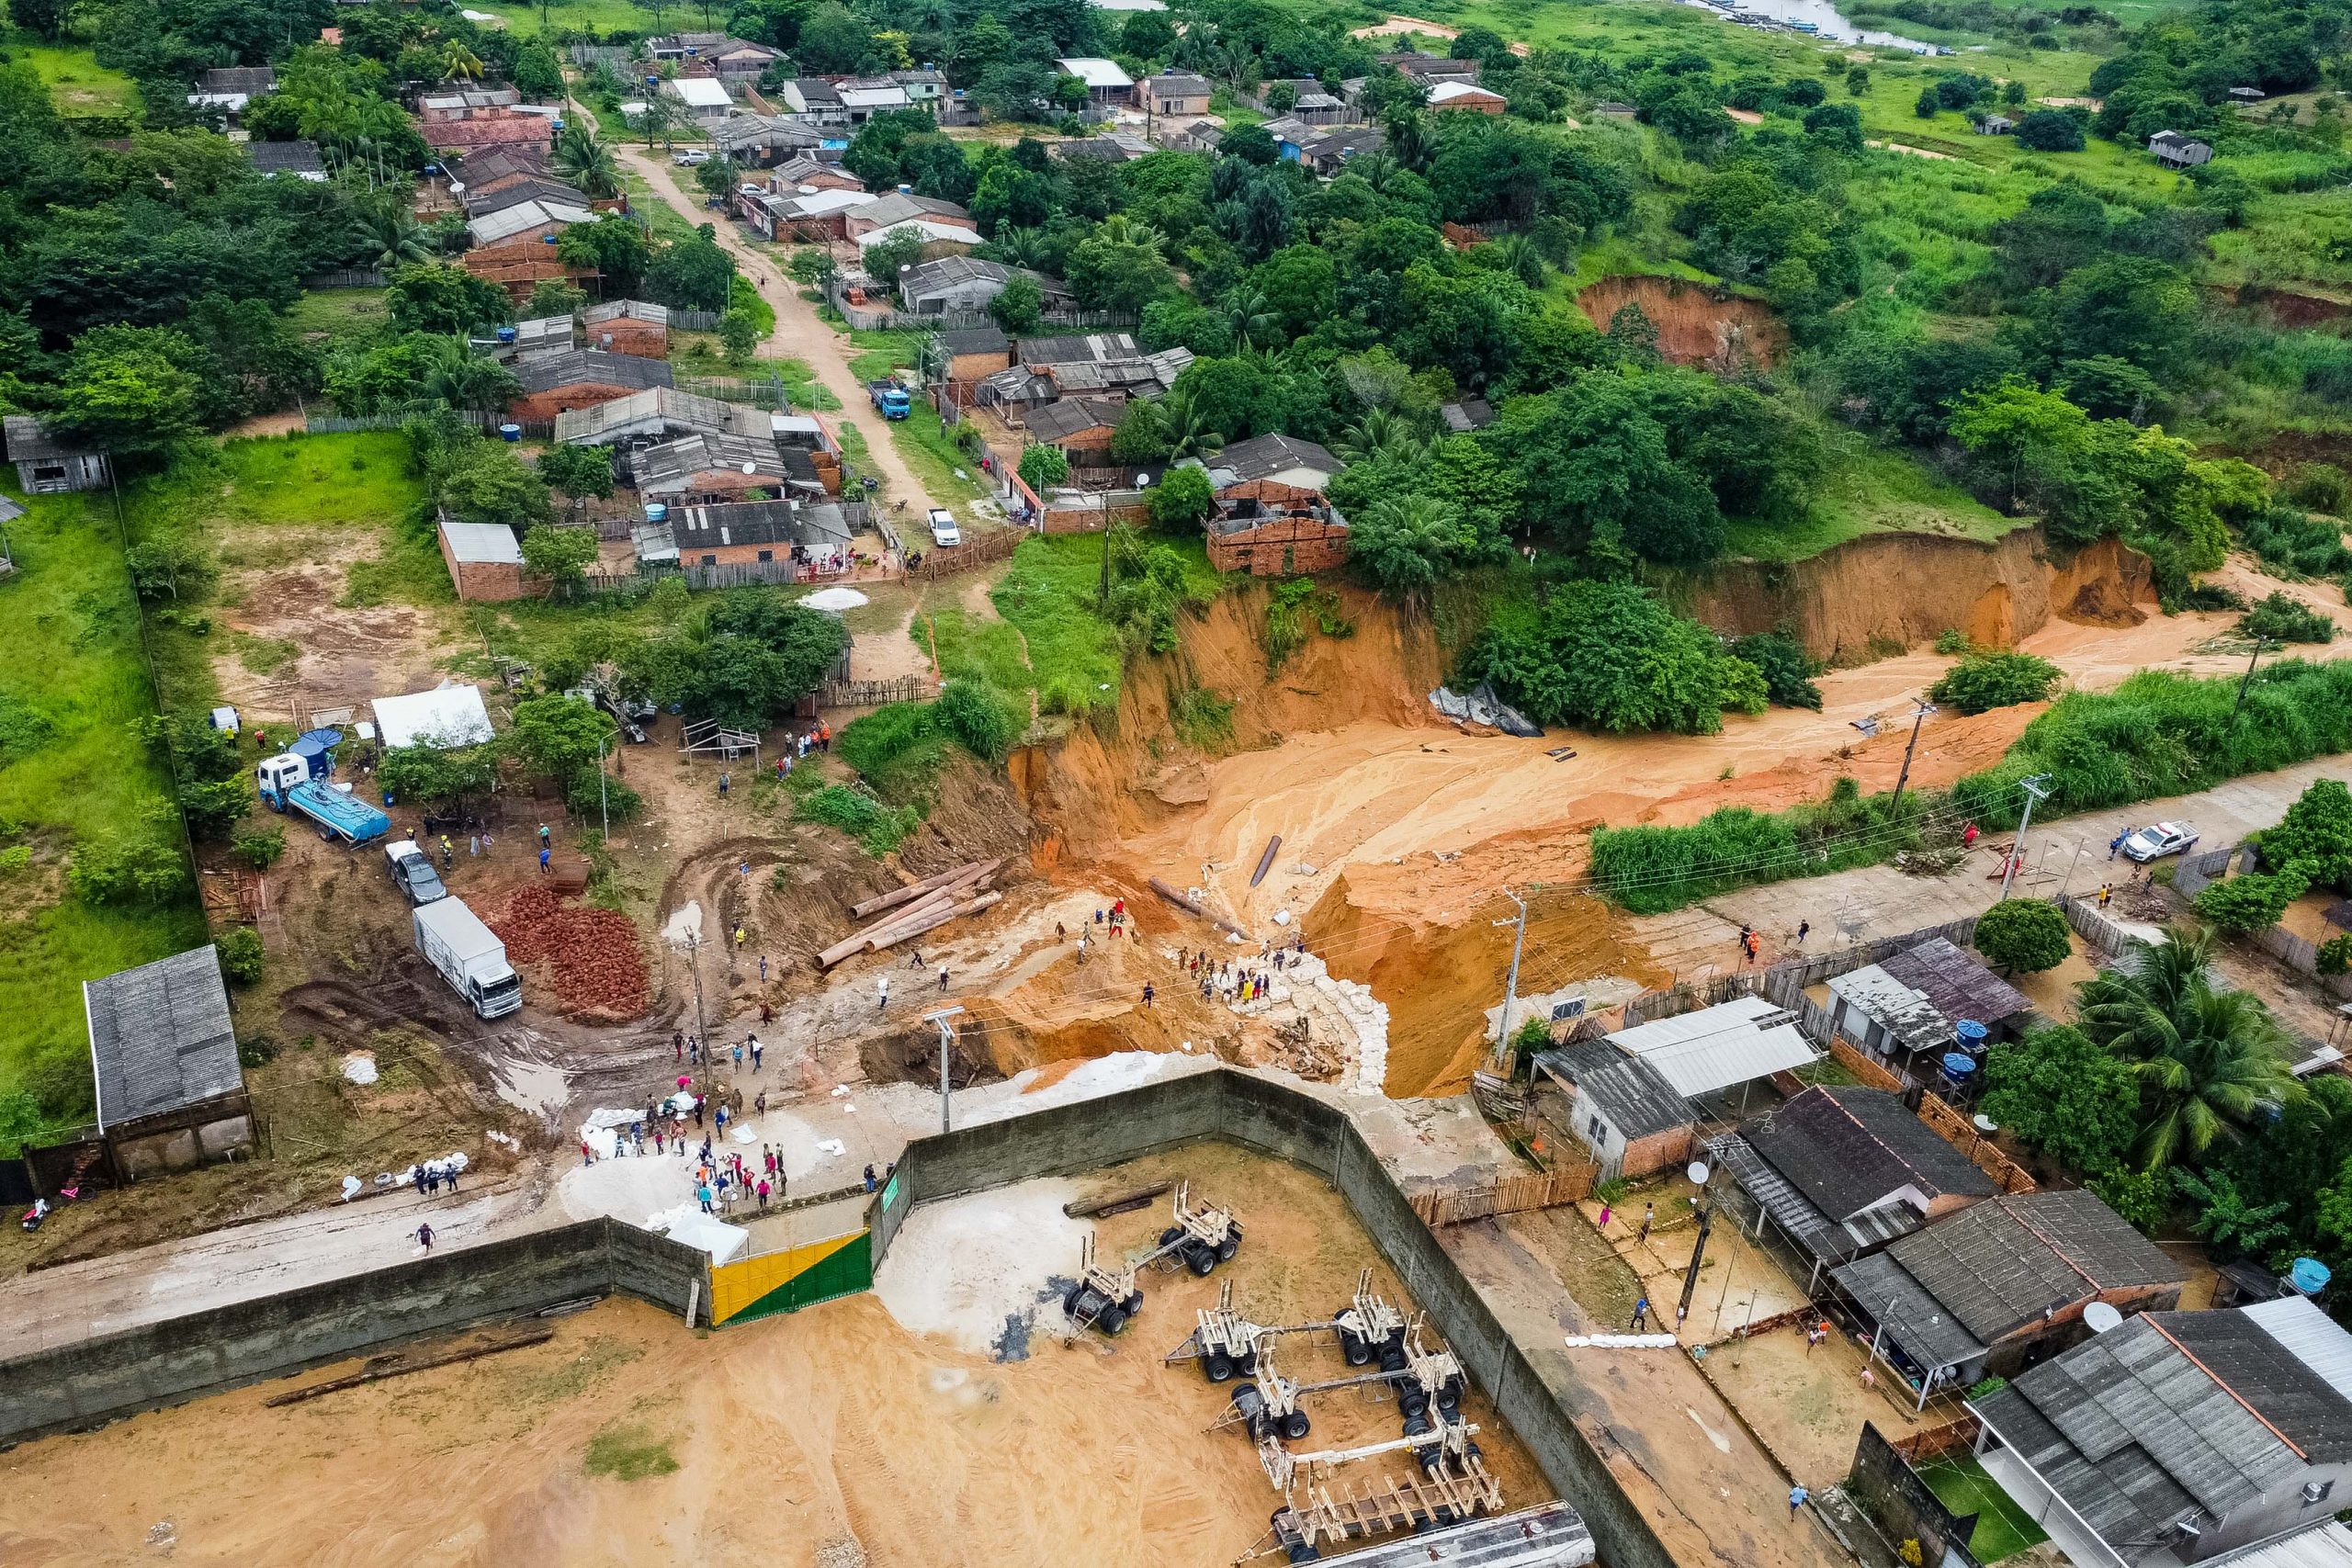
[1511,991]
[946,1051]
[603,810]
[1918,718]
[2036,790]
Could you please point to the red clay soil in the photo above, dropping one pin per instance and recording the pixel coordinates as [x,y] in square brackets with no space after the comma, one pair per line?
[591,957]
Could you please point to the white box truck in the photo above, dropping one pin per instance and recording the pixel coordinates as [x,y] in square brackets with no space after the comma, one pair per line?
[469,956]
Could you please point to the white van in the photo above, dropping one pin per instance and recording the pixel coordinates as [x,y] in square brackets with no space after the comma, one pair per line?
[944,532]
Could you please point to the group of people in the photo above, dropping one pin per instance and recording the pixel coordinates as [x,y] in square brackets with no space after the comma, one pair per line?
[720,1185]
[1230,981]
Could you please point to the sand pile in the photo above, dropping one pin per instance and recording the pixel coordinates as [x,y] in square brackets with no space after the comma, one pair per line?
[977,1271]
[592,957]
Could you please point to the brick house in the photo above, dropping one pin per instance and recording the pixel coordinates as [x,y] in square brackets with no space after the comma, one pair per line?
[1462,95]
[709,469]
[1268,528]
[501,128]
[1080,427]
[484,561]
[753,533]
[629,326]
[1619,1108]
[967,356]
[579,378]
[1175,93]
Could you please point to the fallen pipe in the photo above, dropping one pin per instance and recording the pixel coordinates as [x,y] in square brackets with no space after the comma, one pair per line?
[1186,902]
[1266,861]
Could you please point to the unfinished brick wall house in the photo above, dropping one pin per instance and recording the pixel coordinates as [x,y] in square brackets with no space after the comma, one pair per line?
[1268,528]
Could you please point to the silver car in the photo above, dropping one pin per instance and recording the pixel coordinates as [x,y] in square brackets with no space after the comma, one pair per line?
[2159,840]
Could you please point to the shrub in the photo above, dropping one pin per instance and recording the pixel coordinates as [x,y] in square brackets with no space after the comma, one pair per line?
[2244,905]
[2133,1194]
[240,950]
[981,720]
[877,829]
[2298,544]
[2049,131]
[1787,669]
[615,803]
[2335,954]
[127,871]
[1609,654]
[1983,681]
[1042,468]
[1650,869]
[259,847]
[1951,642]
[2280,618]
[2024,935]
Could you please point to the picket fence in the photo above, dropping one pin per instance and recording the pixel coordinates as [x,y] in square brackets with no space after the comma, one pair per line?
[1510,1195]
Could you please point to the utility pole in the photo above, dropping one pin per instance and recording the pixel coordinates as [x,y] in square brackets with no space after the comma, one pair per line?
[1511,991]
[694,961]
[603,810]
[1903,777]
[2037,789]
[1698,1252]
[1102,594]
[2260,647]
[947,1051]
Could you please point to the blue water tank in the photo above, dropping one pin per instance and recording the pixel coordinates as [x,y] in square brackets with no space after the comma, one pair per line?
[2309,1275]
[1971,1034]
[1959,1066]
[656,513]
[507,335]
[510,433]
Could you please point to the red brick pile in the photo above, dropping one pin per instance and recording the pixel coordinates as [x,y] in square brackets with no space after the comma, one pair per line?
[592,957]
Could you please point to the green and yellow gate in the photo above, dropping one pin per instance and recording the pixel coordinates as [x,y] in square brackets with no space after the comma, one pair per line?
[795,1278]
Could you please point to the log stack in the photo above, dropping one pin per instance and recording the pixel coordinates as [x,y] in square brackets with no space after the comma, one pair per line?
[918,908]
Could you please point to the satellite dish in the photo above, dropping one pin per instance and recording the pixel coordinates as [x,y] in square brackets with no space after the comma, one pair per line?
[751,467]
[2101,1316]
[1697,1173]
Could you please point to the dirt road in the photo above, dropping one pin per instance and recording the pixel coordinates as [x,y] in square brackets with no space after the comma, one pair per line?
[799,333]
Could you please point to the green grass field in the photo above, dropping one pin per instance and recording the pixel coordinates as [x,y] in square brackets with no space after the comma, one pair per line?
[1076,659]
[1870,490]
[78,84]
[341,313]
[73,685]
[2003,1530]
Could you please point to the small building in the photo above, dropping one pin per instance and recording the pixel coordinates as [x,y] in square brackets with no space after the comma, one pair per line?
[708,470]
[554,384]
[170,1093]
[736,60]
[231,88]
[813,217]
[46,466]
[1463,95]
[1108,147]
[1996,125]
[2178,152]
[903,206]
[1180,135]
[705,97]
[966,283]
[434,108]
[1911,1004]
[1176,93]
[483,197]
[757,141]
[493,164]
[1080,428]
[1627,1117]
[1609,109]
[526,222]
[1107,87]
[1285,460]
[1326,154]
[542,335]
[484,561]
[1315,107]
[2003,1284]
[2177,1437]
[656,414]
[812,100]
[1428,69]
[445,719]
[862,98]
[1469,414]
[970,354]
[755,533]
[296,159]
[1269,529]
[489,128]
[1838,1172]
[1726,1046]
[925,88]
[805,171]
[629,326]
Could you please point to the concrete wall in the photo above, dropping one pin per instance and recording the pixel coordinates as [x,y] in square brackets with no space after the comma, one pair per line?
[96,1381]
[1530,1384]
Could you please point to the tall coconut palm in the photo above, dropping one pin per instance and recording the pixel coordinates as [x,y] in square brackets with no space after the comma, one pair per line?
[461,63]
[1018,246]
[1119,229]
[459,377]
[2209,1060]
[587,163]
[392,234]
[1516,255]
[1381,432]
[1251,318]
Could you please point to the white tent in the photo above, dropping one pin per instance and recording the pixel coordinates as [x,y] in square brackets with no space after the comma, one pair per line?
[443,718]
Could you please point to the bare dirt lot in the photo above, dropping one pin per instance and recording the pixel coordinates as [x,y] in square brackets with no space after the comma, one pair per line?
[626,1439]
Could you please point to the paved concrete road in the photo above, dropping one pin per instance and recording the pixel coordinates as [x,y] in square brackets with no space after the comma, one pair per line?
[799,333]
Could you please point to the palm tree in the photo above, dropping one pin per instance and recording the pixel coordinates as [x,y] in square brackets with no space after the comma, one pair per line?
[462,65]
[1377,167]
[459,377]
[1404,541]
[1251,318]
[1516,255]
[587,163]
[1381,432]
[1019,247]
[1121,230]
[2209,1060]
[392,233]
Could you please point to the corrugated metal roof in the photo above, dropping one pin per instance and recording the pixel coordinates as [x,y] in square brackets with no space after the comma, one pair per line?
[2310,1336]
[1714,1048]
[1848,1149]
[2245,1357]
[1823,1238]
[1925,1328]
[482,544]
[160,1036]
[1956,983]
[1998,1265]
[1626,1090]
[2328,1545]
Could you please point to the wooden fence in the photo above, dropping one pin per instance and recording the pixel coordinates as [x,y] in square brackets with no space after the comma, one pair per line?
[2108,936]
[347,277]
[979,550]
[1511,1195]
[873,694]
[2194,873]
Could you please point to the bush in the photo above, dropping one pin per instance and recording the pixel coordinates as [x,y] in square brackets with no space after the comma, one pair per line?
[2049,131]
[2134,1195]
[617,803]
[259,847]
[2297,544]
[1651,870]
[1787,669]
[240,950]
[2244,905]
[980,718]
[2280,618]
[1951,642]
[2335,954]
[1610,655]
[127,871]
[2024,935]
[1983,681]
[1042,468]
[877,829]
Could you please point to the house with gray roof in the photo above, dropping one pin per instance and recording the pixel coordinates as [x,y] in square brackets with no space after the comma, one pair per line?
[1619,1107]
[45,464]
[967,283]
[2175,1438]
[657,413]
[1284,459]
[2002,1283]
[170,1093]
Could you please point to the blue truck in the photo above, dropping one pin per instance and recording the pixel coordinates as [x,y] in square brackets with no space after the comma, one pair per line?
[301,779]
[890,399]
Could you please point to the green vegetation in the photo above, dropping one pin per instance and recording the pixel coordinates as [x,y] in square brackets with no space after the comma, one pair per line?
[2023,936]
[2281,617]
[2003,1529]
[1650,869]
[1981,681]
[878,829]
[1052,594]
[628,1453]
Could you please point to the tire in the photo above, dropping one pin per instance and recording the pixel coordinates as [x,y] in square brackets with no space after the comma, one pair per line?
[1171,1234]
[1112,1320]
[1471,1449]
[1456,1385]
[1201,1260]
[1070,1301]
[1302,1551]
[1246,1364]
[1228,1246]
[1219,1367]
[1411,1400]
[1448,1404]
[1418,1425]
[1397,1340]
[1432,1461]
[1357,1352]
[1392,1360]
[1295,1425]
[1133,1304]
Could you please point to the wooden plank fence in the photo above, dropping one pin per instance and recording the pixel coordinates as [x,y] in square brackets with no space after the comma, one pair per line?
[1510,1195]
[346,277]
[873,694]
[2108,936]
[2194,873]
[979,550]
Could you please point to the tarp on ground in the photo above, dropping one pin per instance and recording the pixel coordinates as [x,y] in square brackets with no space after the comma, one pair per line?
[443,718]
[1482,707]
[689,1224]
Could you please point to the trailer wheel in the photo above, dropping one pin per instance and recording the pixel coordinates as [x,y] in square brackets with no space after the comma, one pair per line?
[1070,1301]
[1228,1246]
[1418,1425]
[1470,1449]
[1247,1363]
[1396,1338]
[1201,1260]
[1392,1360]
[1133,1304]
[1219,1367]
[1411,1400]
[1295,1425]
[1449,1403]
[1112,1319]
[1352,1347]
[1456,1385]
[1171,1234]
[1303,1552]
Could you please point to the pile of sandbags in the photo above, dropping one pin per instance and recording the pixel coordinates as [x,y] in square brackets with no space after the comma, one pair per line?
[918,908]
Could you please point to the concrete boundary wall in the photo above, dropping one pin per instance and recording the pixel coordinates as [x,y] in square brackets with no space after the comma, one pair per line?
[84,1386]
[1532,1385]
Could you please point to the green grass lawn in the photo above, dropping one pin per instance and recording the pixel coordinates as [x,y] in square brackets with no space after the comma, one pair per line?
[78,84]
[73,685]
[1075,658]
[1870,490]
[344,314]
[2003,1530]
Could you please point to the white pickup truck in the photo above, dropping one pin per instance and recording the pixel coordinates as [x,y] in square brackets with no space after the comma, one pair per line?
[944,532]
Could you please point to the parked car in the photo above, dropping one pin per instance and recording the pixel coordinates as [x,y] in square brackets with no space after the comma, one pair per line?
[2160,839]
[688,157]
[412,873]
[944,532]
